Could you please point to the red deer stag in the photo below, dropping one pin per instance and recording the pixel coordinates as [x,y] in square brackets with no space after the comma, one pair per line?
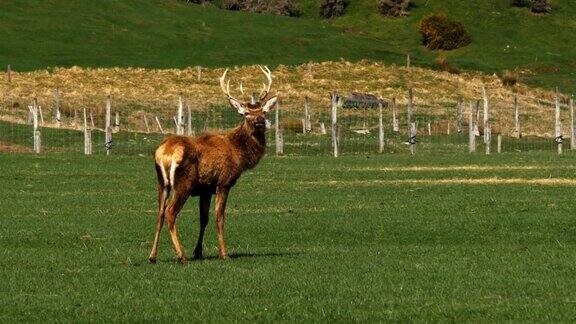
[209,164]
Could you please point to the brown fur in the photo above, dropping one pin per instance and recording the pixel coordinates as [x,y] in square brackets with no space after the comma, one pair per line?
[203,166]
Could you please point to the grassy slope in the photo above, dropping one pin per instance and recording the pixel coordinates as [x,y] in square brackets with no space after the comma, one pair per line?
[74,243]
[168,33]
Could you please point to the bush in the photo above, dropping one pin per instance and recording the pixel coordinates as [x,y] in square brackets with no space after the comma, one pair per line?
[442,33]
[443,65]
[274,7]
[394,8]
[541,6]
[510,78]
[332,8]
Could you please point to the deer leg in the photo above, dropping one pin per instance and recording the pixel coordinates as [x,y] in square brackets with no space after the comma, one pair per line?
[221,197]
[163,192]
[204,214]
[174,207]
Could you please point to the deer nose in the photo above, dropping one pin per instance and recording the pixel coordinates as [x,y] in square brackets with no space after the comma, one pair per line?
[260,119]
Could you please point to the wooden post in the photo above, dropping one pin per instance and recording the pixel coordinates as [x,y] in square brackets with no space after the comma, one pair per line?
[117,122]
[9,73]
[411,128]
[107,128]
[448,128]
[559,139]
[429,129]
[472,130]
[91,119]
[87,136]
[159,125]
[414,132]
[477,118]
[572,139]
[380,128]
[395,127]
[517,118]
[199,72]
[37,134]
[146,123]
[57,113]
[487,125]
[335,139]
[307,123]
[408,61]
[180,117]
[41,115]
[499,143]
[189,129]
[278,131]
[459,116]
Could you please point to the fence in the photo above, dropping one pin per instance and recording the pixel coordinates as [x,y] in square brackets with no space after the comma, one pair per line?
[395,125]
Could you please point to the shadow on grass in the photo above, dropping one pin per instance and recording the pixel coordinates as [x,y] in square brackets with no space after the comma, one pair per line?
[233,256]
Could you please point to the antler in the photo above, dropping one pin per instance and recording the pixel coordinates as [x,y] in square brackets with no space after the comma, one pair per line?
[226,86]
[267,86]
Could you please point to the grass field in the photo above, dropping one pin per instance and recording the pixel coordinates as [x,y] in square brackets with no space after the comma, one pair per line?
[392,237]
[171,33]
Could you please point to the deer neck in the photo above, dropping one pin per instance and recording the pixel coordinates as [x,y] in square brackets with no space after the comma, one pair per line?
[250,143]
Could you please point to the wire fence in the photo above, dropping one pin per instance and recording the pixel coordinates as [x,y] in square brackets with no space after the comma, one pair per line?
[303,128]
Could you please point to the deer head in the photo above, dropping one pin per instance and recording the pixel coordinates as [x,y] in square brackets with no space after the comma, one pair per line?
[254,111]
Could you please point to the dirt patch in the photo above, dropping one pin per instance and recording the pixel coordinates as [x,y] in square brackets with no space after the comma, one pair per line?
[457,168]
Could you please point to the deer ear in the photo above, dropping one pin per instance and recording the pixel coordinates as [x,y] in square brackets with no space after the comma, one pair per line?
[269,104]
[237,105]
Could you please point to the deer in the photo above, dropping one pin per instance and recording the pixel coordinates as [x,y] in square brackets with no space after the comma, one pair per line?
[208,165]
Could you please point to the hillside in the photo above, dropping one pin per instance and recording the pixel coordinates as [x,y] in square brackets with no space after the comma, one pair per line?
[173,34]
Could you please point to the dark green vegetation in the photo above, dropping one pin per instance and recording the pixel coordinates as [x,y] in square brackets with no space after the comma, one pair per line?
[313,238]
[171,33]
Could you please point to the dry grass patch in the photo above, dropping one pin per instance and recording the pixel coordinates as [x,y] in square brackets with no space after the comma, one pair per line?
[137,91]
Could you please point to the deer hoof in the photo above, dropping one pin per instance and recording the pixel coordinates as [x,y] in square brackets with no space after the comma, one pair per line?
[182,259]
[225,257]
[152,260]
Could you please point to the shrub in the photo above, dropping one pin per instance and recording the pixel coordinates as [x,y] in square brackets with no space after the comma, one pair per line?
[541,6]
[443,65]
[275,7]
[439,32]
[332,8]
[509,78]
[394,8]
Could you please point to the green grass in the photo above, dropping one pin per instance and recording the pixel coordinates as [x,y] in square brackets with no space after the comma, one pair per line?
[76,231]
[171,33]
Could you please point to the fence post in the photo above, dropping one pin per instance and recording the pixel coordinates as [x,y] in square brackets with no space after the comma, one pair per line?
[189,130]
[499,143]
[37,135]
[517,117]
[380,128]
[459,116]
[57,113]
[429,128]
[199,72]
[180,119]
[572,139]
[307,123]
[117,122]
[395,127]
[408,60]
[471,130]
[107,128]
[9,73]
[91,119]
[41,115]
[146,123]
[335,141]
[559,139]
[159,125]
[278,131]
[87,136]
[411,128]
[487,129]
